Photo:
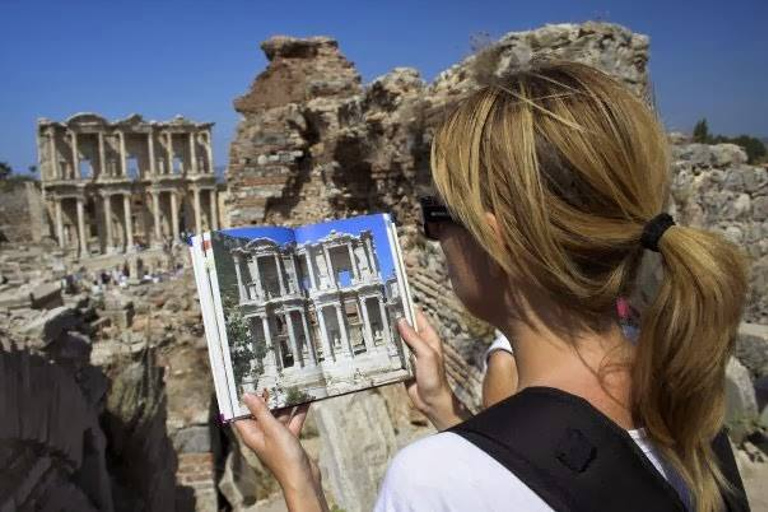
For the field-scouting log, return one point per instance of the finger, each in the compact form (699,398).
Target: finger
(412,338)
(411,387)
(427,332)
(260,411)
(251,433)
(297,421)
(284,415)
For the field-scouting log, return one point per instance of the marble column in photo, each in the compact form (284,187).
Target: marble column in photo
(240,285)
(297,359)
(384,322)
(272,361)
(328,353)
(367,330)
(308,339)
(279,274)
(341,318)
(353,264)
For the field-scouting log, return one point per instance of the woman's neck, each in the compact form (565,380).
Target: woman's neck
(593,366)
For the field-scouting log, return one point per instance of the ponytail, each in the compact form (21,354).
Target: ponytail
(686,338)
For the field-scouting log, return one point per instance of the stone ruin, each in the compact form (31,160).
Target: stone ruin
(111,186)
(313,143)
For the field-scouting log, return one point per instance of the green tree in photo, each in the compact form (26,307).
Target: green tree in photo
(240,347)
(294,396)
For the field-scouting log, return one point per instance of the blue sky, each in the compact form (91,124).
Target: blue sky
(374,223)
(164,57)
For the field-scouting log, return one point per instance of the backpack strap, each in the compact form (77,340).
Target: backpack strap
(736,501)
(571,455)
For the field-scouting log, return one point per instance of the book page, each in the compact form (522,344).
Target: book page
(252,271)
(354,299)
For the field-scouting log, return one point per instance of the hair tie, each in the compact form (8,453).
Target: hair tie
(654,229)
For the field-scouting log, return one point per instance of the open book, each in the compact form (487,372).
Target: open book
(306,313)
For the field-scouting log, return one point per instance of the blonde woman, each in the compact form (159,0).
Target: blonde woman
(552,184)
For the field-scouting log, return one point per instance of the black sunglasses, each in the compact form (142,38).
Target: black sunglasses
(433,213)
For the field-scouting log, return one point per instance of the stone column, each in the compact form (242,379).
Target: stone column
(54,157)
(59,221)
(198,218)
(81,227)
(169,142)
(308,339)
(279,274)
(367,329)
(209,152)
(297,359)
(151,147)
(175,217)
(329,268)
(294,286)
(238,272)
(371,255)
(192,153)
(340,317)
(353,263)
(214,222)
(311,269)
(273,346)
(108,219)
(256,276)
(328,354)
(102,156)
(128,222)
(384,323)
(75,157)
(123,170)
(156,215)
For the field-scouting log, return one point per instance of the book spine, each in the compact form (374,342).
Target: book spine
(211,331)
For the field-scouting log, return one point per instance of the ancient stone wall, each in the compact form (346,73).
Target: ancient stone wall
(21,212)
(714,188)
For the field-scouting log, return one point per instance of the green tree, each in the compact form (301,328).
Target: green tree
(701,132)
(240,345)
(5,170)
(753,146)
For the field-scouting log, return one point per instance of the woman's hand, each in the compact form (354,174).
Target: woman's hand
(430,391)
(275,440)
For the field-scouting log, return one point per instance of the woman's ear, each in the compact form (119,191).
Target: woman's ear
(493,224)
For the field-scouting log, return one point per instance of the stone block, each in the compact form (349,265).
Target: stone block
(752,348)
(194,439)
(46,296)
(740,401)
(51,324)
(15,299)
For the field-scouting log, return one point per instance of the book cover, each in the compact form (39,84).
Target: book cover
(305,313)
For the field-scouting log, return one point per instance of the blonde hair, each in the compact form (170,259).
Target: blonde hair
(573,165)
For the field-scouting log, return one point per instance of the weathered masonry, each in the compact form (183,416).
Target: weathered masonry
(321,301)
(115,186)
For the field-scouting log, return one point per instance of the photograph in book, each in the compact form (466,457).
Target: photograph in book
(311,312)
